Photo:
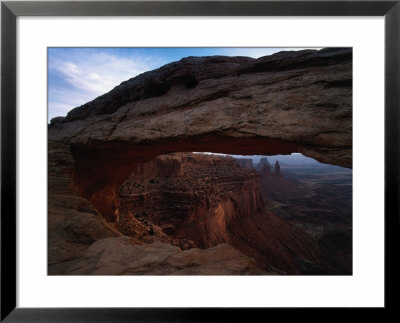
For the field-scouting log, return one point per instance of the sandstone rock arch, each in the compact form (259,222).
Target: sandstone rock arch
(298,101)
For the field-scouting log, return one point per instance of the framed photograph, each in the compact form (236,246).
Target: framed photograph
(198,160)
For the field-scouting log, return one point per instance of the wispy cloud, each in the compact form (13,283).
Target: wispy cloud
(98,73)
(80,77)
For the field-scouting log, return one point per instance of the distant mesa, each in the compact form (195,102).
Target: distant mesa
(264,168)
(263,163)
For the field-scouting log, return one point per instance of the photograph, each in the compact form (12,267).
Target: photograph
(200,161)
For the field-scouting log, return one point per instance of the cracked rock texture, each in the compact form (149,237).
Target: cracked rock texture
(201,201)
(296,101)
(73,223)
(287,102)
(123,256)
(302,97)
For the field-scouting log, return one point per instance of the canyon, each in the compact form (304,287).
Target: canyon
(127,196)
(199,201)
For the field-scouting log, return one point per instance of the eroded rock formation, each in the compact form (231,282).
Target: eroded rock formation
(204,200)
(195,201)
(287,102)
(264,165)
(296,101)
(73,222)
(277,170)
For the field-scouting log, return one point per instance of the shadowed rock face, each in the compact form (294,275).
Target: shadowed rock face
(191,196)
(73,222)
(200,201)
(283,103)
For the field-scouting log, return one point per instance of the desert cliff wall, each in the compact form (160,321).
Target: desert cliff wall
(210,200)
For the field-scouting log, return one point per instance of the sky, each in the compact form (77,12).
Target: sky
(79,75)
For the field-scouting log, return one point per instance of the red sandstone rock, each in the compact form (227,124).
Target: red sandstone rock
(287,102)
(191,203)
(73,222)
(212,200)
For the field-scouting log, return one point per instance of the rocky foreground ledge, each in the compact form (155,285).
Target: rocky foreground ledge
(124,256)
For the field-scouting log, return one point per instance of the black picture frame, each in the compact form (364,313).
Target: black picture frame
(10,10)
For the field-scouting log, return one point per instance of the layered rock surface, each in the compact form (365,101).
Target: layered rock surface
(194,204)
(287,102)
(296,101)
(73,223)
(82,242)
(302,97)
(193,200)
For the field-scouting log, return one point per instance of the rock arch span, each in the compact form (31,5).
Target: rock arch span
(297,101)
